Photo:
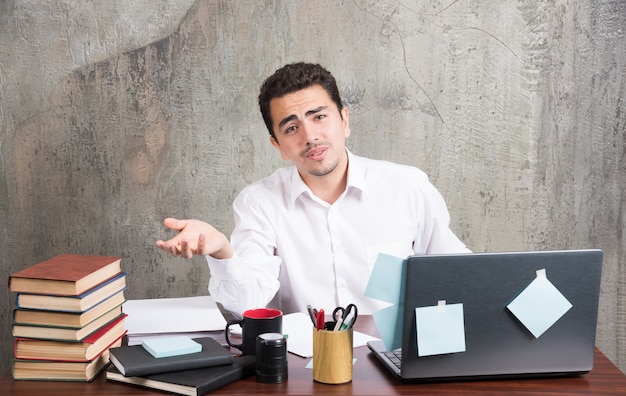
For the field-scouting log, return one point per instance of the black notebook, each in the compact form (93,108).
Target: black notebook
(195,382)
(135,360)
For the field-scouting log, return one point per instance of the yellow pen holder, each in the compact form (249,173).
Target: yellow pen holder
(332,356)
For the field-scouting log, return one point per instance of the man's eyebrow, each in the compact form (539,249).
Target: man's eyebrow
(293,116)
(286,120)
(314,111)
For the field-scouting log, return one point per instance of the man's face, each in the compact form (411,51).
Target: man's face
(310,131)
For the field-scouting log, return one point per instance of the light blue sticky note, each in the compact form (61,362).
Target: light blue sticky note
(540,305)
(386,279)
(310,364)
(389,324)
(171,346)
(440,329)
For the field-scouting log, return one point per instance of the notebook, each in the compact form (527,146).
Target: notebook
(498,343)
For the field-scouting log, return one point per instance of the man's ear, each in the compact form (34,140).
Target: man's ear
(277,145)
(345,119)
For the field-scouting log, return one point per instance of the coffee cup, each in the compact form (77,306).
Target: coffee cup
(253,323)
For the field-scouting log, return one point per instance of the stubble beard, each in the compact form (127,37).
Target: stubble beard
(325,170)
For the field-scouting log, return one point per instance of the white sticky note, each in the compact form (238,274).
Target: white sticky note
(539,305)
(440,329)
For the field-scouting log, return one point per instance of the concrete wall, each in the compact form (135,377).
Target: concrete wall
(117,114)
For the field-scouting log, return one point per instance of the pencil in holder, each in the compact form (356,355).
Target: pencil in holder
(332,356)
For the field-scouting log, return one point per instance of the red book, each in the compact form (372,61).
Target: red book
(65,275)
(82,351)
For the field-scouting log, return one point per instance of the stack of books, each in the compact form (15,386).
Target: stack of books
(68,314)
(156,356)
(178,364)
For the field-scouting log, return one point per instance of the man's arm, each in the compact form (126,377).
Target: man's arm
(195,237)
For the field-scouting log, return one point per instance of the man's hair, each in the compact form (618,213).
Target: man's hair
(291,78)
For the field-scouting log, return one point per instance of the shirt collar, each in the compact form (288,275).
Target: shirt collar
(356,179)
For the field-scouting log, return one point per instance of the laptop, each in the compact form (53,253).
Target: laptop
(498,344)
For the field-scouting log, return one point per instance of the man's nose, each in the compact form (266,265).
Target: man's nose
(310,132)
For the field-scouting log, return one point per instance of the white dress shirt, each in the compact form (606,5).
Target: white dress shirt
(293,249)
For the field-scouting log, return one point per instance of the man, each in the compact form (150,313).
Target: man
(310,233)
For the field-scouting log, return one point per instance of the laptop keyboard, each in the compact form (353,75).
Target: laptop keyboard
(394,356)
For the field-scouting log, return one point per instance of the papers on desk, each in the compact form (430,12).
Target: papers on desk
(299,331)
(194,317)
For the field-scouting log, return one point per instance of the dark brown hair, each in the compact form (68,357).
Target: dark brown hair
(291,78)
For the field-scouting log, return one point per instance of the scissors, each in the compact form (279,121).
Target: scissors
(345,317)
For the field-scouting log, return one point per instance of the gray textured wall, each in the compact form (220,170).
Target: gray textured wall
(117,114)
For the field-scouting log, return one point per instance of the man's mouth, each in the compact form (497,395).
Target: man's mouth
(316,153)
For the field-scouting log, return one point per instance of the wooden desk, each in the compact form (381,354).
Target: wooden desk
(369,378)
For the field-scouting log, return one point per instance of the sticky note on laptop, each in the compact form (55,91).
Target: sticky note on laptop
(171,346)
(539,305)
(440,329)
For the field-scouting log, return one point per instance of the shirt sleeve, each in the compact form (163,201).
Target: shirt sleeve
(249,279)
(435,236)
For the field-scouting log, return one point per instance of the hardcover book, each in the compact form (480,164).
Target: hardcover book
(136,361)
(106,337)
(65,274)
(196,382)
(67,334)
(81,303)
(67,319)
(60,371)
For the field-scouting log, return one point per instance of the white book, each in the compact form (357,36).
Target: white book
(166,317)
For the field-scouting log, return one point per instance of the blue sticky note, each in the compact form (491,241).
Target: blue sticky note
(440,329)
(386,279)
(539,305)
(171,346)
(389,324)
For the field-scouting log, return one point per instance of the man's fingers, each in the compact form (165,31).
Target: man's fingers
(201,245)
(169,247)
(174,224)
(185,250)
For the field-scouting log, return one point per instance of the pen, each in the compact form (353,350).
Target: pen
(312,315)
(348,321)
(320,319)
(338,324)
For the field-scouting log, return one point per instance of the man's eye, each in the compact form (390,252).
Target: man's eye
(291,129)
(320,116)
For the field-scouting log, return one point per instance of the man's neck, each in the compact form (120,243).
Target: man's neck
(330,187)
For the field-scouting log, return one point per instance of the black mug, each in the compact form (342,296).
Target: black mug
(255,322)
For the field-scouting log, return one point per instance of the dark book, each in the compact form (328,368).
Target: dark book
(93,297)
(196,382)
(136,361)
(65,274)
(88,349)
